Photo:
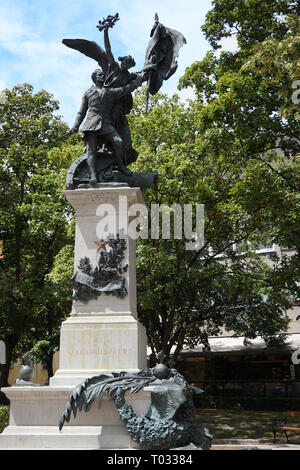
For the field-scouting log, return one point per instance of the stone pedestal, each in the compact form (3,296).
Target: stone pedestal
(35,413)
(100,336)
(99,345)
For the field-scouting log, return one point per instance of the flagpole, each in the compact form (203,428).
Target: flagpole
(156,20)
(148,92)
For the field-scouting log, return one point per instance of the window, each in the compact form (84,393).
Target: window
(262,248)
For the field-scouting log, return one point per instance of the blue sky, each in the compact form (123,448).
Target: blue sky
(31,32)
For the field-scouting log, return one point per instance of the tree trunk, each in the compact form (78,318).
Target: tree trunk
(5,367)
(49,363)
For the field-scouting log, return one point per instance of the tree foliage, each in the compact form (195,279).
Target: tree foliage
(234,149)
(34,218)
(251,110)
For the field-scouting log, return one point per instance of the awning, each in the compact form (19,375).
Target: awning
(230,344)
(238,344)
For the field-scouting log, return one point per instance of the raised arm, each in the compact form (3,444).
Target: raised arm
(110,57)
(124,90)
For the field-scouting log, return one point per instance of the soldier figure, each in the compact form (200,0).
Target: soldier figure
(106,104)
(97,106)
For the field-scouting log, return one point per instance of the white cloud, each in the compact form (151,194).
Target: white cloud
(31,49)
(187,94)
(229,44)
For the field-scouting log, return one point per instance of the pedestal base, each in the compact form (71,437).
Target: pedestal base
(35,413)
(101,336)
(93,345)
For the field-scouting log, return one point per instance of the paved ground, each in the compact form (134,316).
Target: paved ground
(254,444)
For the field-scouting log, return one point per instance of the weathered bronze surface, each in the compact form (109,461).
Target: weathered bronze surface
(106,277)
(170,421)
(108,146)
(26,373)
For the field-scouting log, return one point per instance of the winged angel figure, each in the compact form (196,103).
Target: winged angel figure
(105,105)
(170,421)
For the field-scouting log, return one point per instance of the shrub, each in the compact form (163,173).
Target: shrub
(247,403)
(4,413)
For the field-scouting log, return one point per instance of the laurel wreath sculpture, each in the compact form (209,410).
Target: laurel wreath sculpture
(170,421)
(107,277)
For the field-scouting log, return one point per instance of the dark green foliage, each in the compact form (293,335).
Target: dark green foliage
(186,296)
(34,221)
(234,149)
(4,415)
(247,403)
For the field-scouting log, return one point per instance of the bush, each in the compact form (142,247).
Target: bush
(3,399)
(4,413)
(247,403)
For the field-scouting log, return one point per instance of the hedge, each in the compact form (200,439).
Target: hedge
(4,413)
(248,403)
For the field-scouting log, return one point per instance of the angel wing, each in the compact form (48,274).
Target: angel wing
(90,49)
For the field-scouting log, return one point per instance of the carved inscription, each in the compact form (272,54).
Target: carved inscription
(97,351)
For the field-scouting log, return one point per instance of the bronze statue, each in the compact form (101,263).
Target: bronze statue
(26,372)
(170,422)
(162,51)
(108,144)
(98,104)
(119,75)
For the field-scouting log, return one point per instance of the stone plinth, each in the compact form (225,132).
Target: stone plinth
(99,213)
(99,345)
(35,413)
(100,336)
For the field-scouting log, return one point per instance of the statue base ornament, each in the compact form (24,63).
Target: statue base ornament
(106,175)
(170,421)
(101,336)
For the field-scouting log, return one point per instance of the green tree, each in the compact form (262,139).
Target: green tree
(34,219)
(185,296)
(250,109)
(235,149)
